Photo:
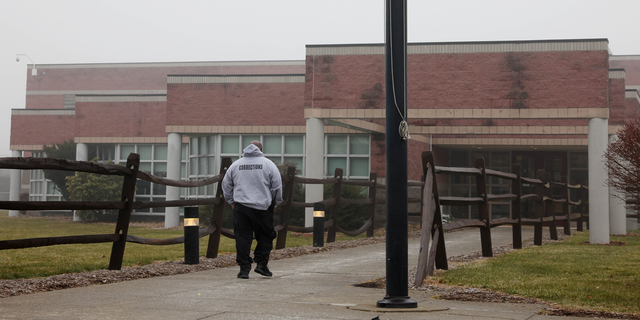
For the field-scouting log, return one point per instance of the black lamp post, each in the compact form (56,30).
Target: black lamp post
(397,264)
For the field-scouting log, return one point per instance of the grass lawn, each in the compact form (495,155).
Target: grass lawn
(570,273)
(72,258)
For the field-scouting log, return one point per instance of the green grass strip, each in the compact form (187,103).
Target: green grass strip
(570,273)
(73,258)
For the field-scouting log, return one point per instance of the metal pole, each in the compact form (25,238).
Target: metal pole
(396,157)
(191,239)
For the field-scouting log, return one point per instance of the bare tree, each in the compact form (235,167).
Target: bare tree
(622,160)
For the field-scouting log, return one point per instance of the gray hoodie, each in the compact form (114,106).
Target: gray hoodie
(253,181)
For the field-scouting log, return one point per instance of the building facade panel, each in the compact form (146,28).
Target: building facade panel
(39,130)
(235,104)
(617,106)
(631,64)
(57,80)
(474,80)
(120,119)
(49,101)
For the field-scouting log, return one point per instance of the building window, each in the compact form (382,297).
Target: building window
(202,164)
(153,160)
(206,153)
(41,189)
(351,153)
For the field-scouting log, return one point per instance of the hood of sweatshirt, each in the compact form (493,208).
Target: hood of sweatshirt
(252,151)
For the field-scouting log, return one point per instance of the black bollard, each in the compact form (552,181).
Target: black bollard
(191,236)
(318,224)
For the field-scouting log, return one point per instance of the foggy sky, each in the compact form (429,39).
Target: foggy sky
(66,31)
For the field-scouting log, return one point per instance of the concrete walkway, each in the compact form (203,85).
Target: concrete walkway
(317,286)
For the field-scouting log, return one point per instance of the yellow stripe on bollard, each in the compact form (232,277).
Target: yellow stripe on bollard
(191,222)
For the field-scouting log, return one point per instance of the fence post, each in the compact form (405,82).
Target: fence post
(337,187)
(549,207)
(287,193)
(539,208)
(217,217)
(579,221)
(516,188)
(565,206)
(124,215)
(441,251)
(483,209)
(373,178)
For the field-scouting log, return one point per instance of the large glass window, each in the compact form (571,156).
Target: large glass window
(205,156)
(153,160)
(202,164)
(351,153)
(41,189)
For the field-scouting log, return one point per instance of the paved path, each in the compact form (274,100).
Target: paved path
(317,286)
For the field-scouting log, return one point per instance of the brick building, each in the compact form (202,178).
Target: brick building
(532,102)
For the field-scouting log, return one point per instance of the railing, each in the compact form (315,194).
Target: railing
(126,205)
(331,225)
(433,228)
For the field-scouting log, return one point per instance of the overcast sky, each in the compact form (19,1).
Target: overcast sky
(81,31)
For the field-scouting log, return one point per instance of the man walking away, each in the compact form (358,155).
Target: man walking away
(253,188)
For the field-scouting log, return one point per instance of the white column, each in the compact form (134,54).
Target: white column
(82,154)
(598,191)
(174,161)
(617,211)
(15,184)
(314,165)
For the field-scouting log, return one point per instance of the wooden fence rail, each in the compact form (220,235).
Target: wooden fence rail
(542,198)
(127,204)
(433,228)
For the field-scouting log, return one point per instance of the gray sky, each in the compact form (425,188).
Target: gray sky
(80,31)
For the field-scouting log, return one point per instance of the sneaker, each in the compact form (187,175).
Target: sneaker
(243,274)
(263,270)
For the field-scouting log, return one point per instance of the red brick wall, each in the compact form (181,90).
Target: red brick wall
(130,78)
(245,104)
(135,78)
(41,130)
(120,119)
(414,157)
(536,80)
(44,101)
(632,107)
(617,106)
(632,68)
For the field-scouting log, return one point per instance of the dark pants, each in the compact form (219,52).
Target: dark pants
(247,222)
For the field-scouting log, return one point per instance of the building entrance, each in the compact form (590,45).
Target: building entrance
(554,162)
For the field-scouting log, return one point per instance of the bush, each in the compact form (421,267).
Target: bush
(95,187)
(350,216)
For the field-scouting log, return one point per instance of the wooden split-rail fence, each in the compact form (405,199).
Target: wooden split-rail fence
(432,225)
(215,230)
(434,255)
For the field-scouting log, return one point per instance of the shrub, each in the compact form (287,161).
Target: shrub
(95,187)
